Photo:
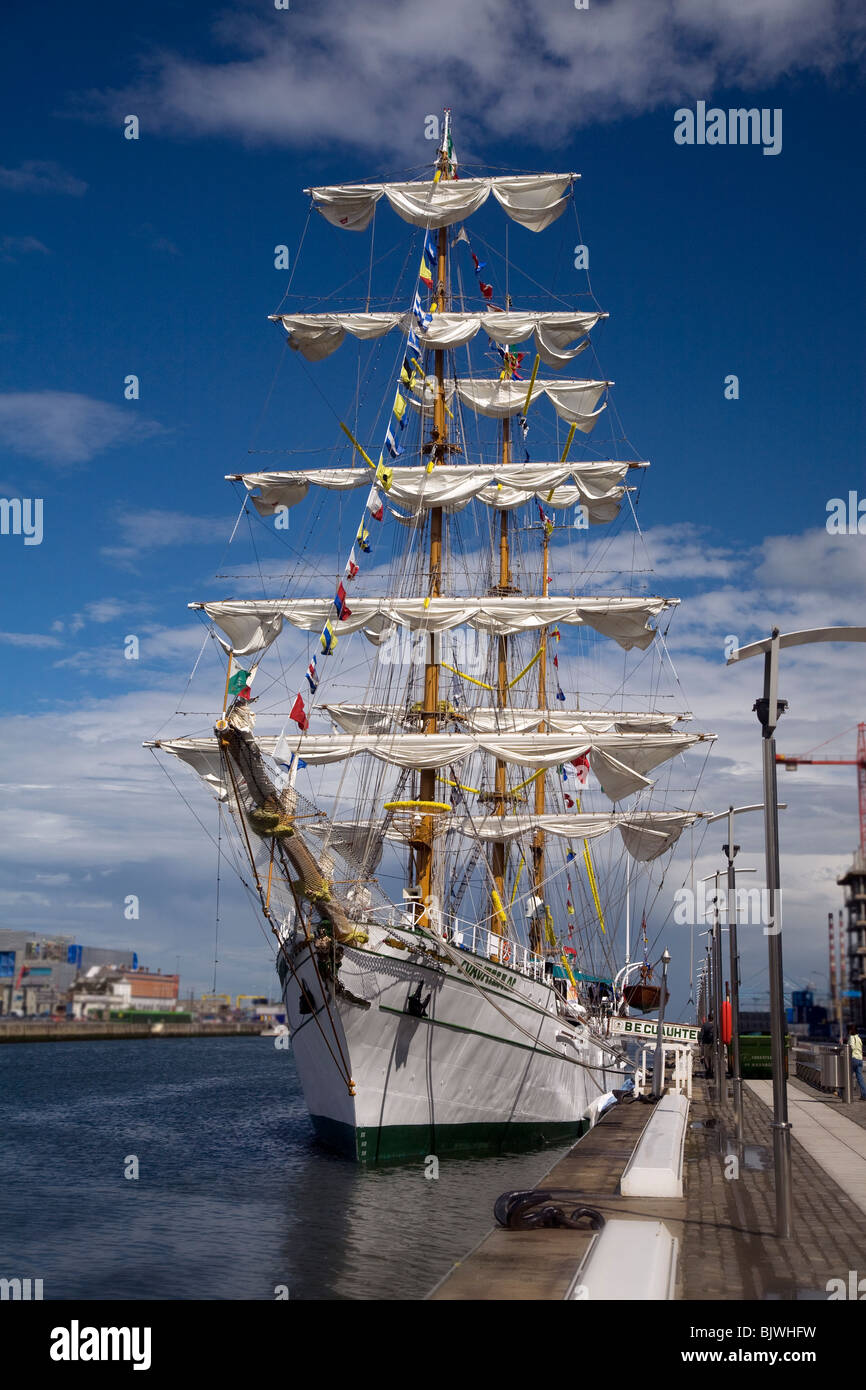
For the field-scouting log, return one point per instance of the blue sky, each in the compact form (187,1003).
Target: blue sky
(155,257)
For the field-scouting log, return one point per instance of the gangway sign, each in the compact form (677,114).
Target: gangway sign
(649,1028)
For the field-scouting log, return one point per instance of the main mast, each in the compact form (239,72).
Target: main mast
(540,789)
(423,846)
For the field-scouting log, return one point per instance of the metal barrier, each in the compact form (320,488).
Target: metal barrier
(683,1054)
(470,936)
(824,1066)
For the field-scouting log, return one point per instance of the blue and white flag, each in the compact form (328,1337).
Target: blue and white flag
(394,449)
(424,319)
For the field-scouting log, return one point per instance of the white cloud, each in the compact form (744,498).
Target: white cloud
(29,639)
(12,247)
(41,176)
(62,427)
(153,528)
(366,75)
(834,565)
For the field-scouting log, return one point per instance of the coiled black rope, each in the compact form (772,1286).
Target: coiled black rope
(538,1208)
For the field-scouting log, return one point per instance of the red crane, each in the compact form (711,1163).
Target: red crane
(791,764)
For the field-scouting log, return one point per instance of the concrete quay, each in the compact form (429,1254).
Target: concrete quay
(724,1222)
(21,1032)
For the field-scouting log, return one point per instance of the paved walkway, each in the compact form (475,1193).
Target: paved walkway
(730,1250)
(855,1110)
(835,1142)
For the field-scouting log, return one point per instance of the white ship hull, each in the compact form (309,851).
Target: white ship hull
(477,1073)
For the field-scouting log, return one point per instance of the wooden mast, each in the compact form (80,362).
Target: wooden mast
(423,845)
(497,860)
(536,934)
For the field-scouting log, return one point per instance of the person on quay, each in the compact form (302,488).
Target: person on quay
(855,1042)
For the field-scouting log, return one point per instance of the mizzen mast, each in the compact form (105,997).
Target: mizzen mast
(540,788)
(498,921)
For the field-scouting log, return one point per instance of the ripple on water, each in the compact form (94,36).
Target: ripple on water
(234,1197)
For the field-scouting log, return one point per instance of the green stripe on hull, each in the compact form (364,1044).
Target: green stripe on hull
(395,1143)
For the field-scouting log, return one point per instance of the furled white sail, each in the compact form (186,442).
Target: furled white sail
(357,718)
(635,754)
(573,401)
(316,336)
(598,486)
(252,624)
(533,200)
(646,834)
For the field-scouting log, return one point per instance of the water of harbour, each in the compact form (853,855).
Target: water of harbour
(234,1196)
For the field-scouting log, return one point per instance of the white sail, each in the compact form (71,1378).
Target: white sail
(371,718)
(619,761)
(533,200)
(253,624)
(573,401)
(646,834)
(317,336)
(598,486)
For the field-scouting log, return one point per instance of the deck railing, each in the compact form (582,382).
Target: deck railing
(478,940)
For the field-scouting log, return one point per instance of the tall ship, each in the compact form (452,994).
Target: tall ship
(437,782)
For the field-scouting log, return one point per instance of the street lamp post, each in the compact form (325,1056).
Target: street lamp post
(769,709)
(719,1066)
(659,1064)
(715,993)
(737,1078)
(730,851)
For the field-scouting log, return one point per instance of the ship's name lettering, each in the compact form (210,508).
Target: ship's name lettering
(491,976)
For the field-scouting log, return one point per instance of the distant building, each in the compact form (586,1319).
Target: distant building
(144,989)
(854,883)
(754,1021)
(37,971)
(40,973)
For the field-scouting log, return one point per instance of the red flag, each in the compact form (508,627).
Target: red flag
(568,801)
(581,768)
(343,609)
(486,290)
(299,714)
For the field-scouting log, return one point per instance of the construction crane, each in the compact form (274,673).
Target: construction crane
(791,764)
(225,999)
